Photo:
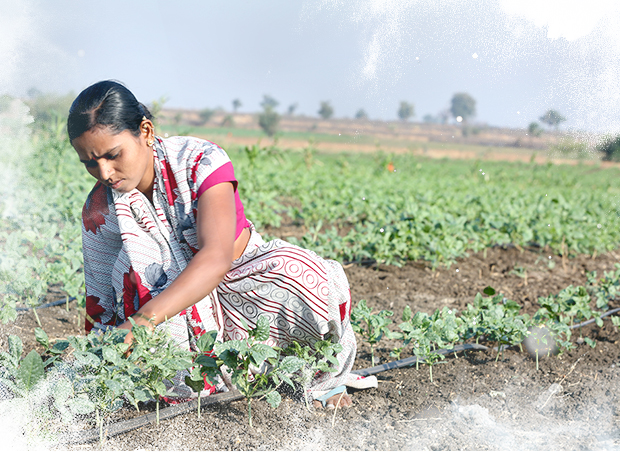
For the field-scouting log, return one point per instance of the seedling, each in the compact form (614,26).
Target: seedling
(243,356)
(321,357)
(372,327)
(206,368)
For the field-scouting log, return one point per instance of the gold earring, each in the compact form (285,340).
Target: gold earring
(150,142)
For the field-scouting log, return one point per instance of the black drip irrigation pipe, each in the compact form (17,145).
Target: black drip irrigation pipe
(587,322)
(231,396)
(407,362)
(47,305)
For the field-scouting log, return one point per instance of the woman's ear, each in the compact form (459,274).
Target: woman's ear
(147,131)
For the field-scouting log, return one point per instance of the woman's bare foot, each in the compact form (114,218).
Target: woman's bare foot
(339,400)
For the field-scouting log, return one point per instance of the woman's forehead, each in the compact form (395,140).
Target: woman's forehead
(99,141)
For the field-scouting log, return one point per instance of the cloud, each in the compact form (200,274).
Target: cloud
(569,19)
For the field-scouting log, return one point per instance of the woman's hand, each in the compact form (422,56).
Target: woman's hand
(139,319)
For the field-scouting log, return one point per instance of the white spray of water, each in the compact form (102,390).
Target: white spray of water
(15,145)
(576,45)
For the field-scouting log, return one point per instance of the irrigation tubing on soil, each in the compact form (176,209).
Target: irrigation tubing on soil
(231,396)
(47,305)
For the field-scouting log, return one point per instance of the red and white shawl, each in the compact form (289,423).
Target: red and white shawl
(134,249)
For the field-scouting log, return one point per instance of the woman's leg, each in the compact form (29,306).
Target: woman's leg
(305,297)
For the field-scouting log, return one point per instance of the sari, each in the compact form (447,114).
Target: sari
(134,249)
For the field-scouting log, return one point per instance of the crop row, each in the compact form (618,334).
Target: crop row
(352,208)
(100,373)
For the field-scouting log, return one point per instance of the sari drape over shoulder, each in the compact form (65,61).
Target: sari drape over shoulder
(134,249)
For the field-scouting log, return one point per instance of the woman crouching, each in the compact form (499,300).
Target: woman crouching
(165,238)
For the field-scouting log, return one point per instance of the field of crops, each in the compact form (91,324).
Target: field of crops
(444,252)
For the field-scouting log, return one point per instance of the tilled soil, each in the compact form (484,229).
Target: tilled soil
(473,403)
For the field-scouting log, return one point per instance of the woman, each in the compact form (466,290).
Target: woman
(165,238)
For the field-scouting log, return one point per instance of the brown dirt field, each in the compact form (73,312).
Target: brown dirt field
(473,403)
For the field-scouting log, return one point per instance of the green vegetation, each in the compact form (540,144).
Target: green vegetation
(405,111)
(610,148)
(462,105)
(372,327)
(353,209)
(552,118)
(326,111)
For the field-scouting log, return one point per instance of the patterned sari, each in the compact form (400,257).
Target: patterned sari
(133,249)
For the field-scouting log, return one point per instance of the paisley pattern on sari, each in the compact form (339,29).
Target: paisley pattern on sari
(134,249)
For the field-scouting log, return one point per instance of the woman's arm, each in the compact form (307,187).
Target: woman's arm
(215,224)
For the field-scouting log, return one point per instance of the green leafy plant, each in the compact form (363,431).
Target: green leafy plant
(497,319)
(321,357)
(257,370)
(206,367)
(372,327)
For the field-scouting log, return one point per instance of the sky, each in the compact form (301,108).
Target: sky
(517,58)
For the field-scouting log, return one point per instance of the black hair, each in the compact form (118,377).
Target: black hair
(107,104)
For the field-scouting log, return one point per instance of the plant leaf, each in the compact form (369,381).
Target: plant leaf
(273,398)
(261,331)
(31,370)
(41,336)
(15,346)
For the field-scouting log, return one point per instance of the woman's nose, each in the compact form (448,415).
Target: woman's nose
(105,170)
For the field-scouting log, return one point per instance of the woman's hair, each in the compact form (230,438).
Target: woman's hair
(106,104)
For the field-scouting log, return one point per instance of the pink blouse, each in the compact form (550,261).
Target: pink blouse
(226,173)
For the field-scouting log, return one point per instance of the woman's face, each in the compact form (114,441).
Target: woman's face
(121,161)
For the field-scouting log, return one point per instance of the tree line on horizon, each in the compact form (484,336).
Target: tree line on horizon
(45,106)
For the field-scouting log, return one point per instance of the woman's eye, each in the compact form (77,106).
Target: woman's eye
(91,164)
(112,157)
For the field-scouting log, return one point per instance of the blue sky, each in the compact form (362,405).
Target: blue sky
(517,58)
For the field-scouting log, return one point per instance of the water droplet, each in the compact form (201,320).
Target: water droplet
(450,311)
(474,56)
(480,170)
(459,119)
(518,112)
(549,225)
(599,226)
(382,230)
(387,288)
(483,174)
(549,257)
(363,198)
(457,270)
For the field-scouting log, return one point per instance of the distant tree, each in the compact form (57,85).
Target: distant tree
(236,104)
(534,129)
(291,109)
(361,114)
(429,119)
(33,93)
(269,102)
(268,120)
(405,111)
(326,111)
(610,147)
(205,114)
(552,118)
(463,105)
